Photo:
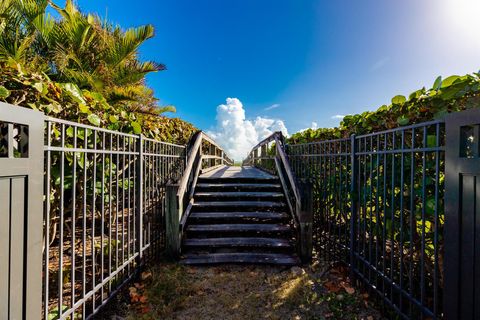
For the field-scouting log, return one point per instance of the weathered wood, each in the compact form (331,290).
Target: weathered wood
(173,215)
(238,172)
(240,215)
(251,204)
(241,194)
(257,258)
(240,227)
(256,242)
(188,168)
(306,221)
(237,186)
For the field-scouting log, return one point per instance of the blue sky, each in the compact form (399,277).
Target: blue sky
(310,60)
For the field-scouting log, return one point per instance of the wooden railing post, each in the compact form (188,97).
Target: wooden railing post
(173,214)
(305,210)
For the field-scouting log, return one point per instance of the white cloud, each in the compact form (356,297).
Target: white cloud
(236,134)
(273,106)
(338,117)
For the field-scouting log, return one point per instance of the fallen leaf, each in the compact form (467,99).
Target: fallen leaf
(331,286)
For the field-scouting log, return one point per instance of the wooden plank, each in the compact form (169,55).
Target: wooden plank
(188,168)
(240,215)
(239,242)
(240,227)
(252,204)
(243,258)
(240,194)
(237,172)
(239,185)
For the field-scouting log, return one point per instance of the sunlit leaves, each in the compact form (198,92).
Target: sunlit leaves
(94,119)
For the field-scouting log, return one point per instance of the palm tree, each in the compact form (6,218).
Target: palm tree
(80,49)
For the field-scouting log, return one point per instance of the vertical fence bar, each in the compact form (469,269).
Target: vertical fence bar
(353,199)
(139,198)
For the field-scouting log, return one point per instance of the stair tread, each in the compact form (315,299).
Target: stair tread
(238,242)
(261,258)
(239,194)
(239,203)
(239,227)
(240,214)
(242,185)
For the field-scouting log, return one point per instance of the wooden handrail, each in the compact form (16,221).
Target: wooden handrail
(288,170)
(298,200)
(186,186)
(190,161)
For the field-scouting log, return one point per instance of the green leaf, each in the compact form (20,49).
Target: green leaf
(4,92)
(74,92)
(449,81)
(438,83)
(431,141)
(38,86)
(169,108)
(83,108)
(94,119)
(403,120)
(113,119)
(416,94)
(137,129)
(399,99)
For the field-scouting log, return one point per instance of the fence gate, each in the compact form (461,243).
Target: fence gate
(21,212)
(462,216)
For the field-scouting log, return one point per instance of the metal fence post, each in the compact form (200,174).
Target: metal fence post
(353,199)
(21,212)
(139,197)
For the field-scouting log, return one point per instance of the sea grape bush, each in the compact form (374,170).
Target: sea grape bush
(454,93)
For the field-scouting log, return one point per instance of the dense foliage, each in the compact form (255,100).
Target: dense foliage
(81,68)
(454,93)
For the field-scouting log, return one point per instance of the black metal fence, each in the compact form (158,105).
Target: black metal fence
(104,214)
(378,206)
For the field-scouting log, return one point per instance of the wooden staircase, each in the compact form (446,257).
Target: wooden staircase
(239,219)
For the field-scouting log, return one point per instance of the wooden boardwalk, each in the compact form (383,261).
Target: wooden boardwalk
(237,172)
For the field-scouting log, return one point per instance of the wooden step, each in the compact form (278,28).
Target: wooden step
(239,227)
(251,205)
(250,180)
(238,187)
(240,215)
(238,242)
(240,194)
(254,258)
(237,196)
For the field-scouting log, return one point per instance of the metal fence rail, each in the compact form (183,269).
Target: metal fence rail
(104,212)
(379,207)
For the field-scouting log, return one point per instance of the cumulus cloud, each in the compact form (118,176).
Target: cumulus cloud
(338,117)
(236,134)
(273,106)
